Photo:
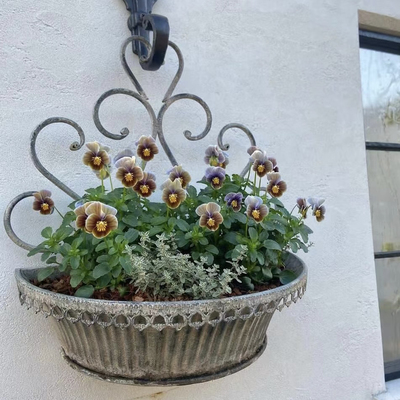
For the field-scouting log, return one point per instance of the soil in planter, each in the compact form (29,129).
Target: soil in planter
(62,286)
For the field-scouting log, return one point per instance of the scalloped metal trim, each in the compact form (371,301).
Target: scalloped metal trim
(159,315)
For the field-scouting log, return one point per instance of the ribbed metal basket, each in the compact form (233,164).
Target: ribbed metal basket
(162,343)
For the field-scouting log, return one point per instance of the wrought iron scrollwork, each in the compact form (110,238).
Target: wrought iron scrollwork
(74,146)
(156,120)
(7,221)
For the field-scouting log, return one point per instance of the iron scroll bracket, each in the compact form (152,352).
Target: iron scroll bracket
(140,23)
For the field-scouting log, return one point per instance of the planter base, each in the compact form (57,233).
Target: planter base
(167,382)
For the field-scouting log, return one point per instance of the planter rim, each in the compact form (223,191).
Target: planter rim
(244,306)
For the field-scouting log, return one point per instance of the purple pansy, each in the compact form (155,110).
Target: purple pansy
(214,156)
(216,176)
(234,200)
(255,208)
(317,208)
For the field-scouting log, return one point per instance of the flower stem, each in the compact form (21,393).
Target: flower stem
(255,184)
(62,216)
(247,223)
(259,186)
(102,185)
(246,182)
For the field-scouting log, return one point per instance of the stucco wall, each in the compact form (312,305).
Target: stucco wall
(290,72)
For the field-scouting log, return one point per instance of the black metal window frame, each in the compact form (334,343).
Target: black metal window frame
(386,44)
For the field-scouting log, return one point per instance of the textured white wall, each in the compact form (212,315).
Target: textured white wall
(290,72)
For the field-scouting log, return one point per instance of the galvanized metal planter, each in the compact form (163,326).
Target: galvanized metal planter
(162,343)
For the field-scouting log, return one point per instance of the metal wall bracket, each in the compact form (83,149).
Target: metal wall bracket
(140,23)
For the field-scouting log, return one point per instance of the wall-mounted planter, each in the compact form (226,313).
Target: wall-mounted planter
(162,343)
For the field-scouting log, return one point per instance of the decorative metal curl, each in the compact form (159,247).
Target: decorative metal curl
(74,146)
(188,135)
(124,131)
(226,146)
(7,221)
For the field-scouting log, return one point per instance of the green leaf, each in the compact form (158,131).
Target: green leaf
(271,244)
(278,218)
(74,261)
(85,291)
(227,223)
(240,217)
(44,273)
(76,280)
(203,241)
(119,239)
(253,256)
(293,246)
(104,281)
(231,237)
(247,283)
(117,271)
(126,264)
(101,246)
(131,220)
(287,276)
(209,257)
(230,187)
(102,259)
(131,235)
(51,260)
(260,258)
(36,250)
(154,230)
(112,251)
(77,242)
(101,270)
(276,201)
(253,234)
(212,249)
(159,220)
(45,256)
(266,273)
(182,225)
(47,232)
(192,192)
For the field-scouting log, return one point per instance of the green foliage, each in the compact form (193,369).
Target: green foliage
(198,262)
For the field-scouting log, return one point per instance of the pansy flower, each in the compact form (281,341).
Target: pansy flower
(43,202)
(146,148)
(128,153)
(214,156)
(234,200)
(318,209)
(210,216)
(226,162)
(255,208)
(128,172)
(173,194)
(275,167)
(252,149)
(81,215)
(276,186)
(146,186)
(178,173)
(97,157)
(303,207)
(101,219)
(216,176)
(261,164)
